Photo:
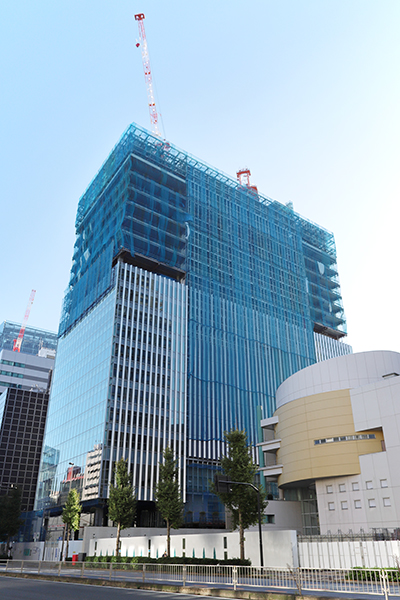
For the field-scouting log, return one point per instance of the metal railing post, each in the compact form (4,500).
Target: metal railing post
(59,568)
(234,577)
(38,569)
(184,575)
(384,583)
(144,572)
(83,568)
(7,565)
(22,565)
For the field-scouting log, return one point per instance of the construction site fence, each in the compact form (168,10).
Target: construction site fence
(384,582)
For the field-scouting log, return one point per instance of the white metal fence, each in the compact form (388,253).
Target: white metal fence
(325,553)
(383,582)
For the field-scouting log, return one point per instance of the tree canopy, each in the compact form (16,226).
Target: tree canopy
(71,514)
(10,512)
(168,496)
(241,500)
(122,501)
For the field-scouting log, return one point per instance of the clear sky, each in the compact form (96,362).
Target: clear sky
(306,93)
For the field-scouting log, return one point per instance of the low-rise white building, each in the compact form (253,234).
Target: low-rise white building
(334,443)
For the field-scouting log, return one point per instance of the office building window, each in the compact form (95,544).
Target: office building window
(344,505)
(372,503)
(357,503)
(368,485)
(269,518)
(331,506)
(384,483)
(386,502)
(329,489)
(355,486)
(342,487)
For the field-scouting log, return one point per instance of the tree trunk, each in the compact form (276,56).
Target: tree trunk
(168,537)
(241,536)
(117,542)
(63,541)
(66,551)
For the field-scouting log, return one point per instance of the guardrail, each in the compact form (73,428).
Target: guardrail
(383,582)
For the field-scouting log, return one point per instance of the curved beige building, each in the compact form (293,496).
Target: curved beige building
(335,438)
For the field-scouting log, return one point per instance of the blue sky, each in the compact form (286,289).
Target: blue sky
(305,93)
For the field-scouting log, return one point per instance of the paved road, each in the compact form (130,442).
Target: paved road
(12,588)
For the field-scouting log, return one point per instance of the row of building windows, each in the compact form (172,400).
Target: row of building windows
(11,385)
(11,374)
(357,504)
(12,363)
(355,486)
(346,438)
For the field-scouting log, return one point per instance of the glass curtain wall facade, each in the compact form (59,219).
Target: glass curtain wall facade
(243,282)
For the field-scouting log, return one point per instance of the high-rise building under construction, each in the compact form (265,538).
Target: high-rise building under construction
(191,298)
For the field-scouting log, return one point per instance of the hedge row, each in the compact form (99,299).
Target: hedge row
(364,574)
(173,560)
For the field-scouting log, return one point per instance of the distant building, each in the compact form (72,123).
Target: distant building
(191,298)
(333,443)
(25,381)
(24,371)
(34,338)
(22,422)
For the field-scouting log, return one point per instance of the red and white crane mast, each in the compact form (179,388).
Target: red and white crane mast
(147,75)
(243,177)
(18,341)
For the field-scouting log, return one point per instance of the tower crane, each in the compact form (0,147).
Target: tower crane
(147,75)
(18,341)
(243,177)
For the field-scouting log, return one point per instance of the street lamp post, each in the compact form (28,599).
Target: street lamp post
(222,482)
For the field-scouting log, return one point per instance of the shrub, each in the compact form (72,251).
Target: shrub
(172,560)
(364,574)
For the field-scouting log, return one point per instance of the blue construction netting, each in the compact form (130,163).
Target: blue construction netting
(34,339)
(259,275)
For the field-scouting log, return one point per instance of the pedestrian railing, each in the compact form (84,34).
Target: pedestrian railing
(384,582)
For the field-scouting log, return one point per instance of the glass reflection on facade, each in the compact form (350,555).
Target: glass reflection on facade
(77,410)
(237,285)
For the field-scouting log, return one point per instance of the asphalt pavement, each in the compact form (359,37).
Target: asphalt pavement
(13,588)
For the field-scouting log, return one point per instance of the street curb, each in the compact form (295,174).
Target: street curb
(160,587)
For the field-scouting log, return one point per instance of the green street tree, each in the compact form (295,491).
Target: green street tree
(10,512)
(122,501)
(168,496)
(241,500)
(71,514)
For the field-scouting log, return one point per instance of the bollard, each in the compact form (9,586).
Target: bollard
(39,565)
(59,568)
(7,566)
(110,571)
(22,565)
(83,568)
(144,573)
